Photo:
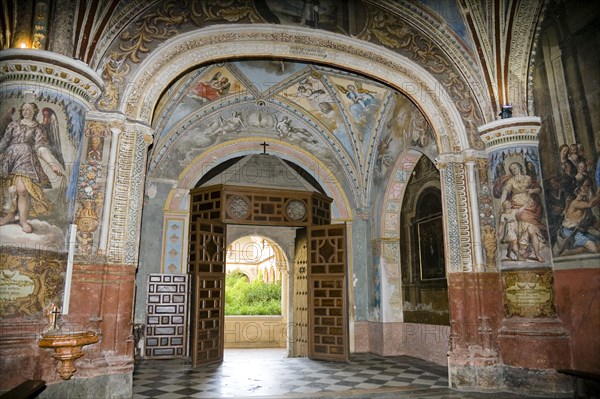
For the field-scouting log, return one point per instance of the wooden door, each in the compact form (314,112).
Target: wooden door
(327,293)
(207,271)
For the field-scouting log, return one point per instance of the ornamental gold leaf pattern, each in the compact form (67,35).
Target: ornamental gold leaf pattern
(157,25)
(231,11)
(390,31)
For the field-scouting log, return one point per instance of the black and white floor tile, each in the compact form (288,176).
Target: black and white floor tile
(267,373)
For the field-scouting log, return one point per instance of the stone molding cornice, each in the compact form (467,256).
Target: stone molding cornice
(47,68)
(506,132)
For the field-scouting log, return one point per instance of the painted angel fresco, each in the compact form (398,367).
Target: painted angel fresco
(360,97)
(24,145)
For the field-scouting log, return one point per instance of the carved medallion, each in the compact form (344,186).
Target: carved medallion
(238,207)
(295,210)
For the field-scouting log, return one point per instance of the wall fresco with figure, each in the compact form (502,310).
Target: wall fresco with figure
(40,134)
(521,229)
(39,145)
(569,138)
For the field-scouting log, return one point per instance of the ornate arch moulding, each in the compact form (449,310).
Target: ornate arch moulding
(45,68)
(505,133)
(220,42)
(219,153)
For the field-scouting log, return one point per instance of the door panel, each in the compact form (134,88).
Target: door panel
(327,293)
(207,270)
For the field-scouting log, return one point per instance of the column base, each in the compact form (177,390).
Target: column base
(534,343)
(478,378)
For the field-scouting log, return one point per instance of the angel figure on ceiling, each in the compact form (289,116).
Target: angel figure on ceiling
(361,98)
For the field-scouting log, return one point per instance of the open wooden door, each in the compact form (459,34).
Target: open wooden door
(327,293)
(207,272)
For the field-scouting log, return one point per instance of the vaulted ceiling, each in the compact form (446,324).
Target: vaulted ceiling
(345,119)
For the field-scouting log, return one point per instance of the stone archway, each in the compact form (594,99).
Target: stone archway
(207,45)
(215,44)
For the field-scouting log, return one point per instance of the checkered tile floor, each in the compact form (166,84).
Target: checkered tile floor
(265,372)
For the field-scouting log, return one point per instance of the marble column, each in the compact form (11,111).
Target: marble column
(532,340)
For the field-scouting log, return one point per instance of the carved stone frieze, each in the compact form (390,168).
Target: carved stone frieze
(50,69)
(127,196)
(458,216)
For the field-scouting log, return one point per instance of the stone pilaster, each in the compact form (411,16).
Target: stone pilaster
(127,194)
(475,299)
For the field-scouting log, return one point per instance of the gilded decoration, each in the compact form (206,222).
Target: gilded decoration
(28,283)
(90,187)
(160,24)
(391,32)
(528,293)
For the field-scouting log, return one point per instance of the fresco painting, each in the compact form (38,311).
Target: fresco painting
(518,194)
(573,202)
(405,128)
(215,84)
(36,163)
(312,95)
(367,122)
(323,14)
(264,75)
(39,142)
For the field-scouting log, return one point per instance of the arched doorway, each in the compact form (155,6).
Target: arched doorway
(269,200)
(350,194)
(256,289)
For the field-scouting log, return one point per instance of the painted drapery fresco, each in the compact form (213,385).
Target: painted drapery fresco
(521,229)
(39,145)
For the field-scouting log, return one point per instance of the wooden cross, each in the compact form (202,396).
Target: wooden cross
(55,312)
(265,145)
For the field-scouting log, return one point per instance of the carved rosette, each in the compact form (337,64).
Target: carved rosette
(295,210)
(238,207)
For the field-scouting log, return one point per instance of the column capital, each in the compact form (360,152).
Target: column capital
(470,155)
(509,132)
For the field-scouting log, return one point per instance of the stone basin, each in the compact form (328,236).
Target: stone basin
(67,348)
